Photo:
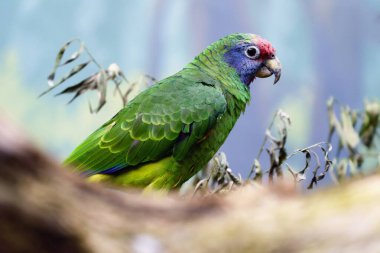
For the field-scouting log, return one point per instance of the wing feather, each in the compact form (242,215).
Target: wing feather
(166,119)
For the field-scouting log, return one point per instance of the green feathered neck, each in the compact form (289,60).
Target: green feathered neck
(211,63)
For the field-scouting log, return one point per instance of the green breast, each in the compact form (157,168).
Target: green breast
(200,155)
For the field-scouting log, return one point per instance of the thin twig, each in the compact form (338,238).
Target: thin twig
(263,144)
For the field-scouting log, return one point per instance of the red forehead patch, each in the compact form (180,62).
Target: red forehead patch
(265,47)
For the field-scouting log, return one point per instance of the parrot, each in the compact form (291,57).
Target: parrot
(172,129)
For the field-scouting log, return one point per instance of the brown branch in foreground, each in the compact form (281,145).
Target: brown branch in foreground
(43,208)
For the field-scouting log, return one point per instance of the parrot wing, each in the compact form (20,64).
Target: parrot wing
(167,119)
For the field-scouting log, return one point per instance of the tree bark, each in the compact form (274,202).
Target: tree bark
(45,208)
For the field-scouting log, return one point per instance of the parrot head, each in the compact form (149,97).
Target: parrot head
(251,56)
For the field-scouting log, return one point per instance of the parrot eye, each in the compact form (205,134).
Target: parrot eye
(252,52)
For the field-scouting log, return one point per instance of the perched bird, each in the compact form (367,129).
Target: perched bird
(171,130)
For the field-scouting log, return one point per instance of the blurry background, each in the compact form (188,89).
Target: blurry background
(327,48)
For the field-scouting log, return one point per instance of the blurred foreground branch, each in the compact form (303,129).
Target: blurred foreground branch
(44,208)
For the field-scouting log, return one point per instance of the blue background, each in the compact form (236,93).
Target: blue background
(327,48)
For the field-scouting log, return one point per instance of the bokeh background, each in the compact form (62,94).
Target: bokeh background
(327,48)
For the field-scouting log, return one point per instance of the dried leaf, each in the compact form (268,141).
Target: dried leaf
(300,176)
(256,168)
(284,117)
(59,57)
(332,118)
(348,134)
(370,123)
(73,72)
(341,170)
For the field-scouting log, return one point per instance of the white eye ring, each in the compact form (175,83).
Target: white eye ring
(252,52)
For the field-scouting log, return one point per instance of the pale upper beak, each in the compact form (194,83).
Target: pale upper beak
(270,67)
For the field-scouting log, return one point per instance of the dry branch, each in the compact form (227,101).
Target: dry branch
(44,208)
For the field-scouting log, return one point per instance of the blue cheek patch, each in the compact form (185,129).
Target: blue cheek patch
(246,68)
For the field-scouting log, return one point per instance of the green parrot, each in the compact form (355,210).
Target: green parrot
(171,130)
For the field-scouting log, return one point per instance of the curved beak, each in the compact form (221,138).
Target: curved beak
(270,67)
